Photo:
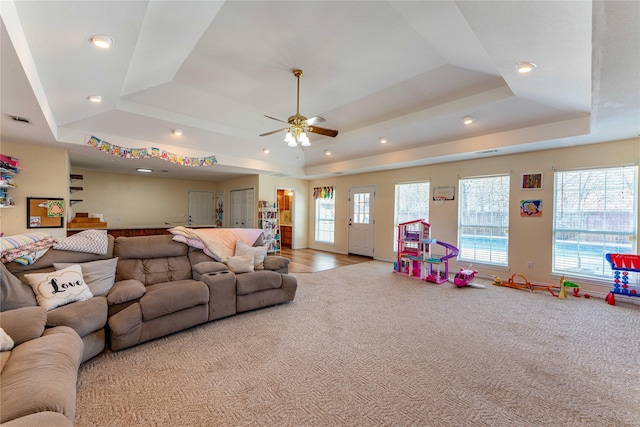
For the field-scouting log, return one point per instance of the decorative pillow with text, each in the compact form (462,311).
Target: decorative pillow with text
(59,287)
(6,343)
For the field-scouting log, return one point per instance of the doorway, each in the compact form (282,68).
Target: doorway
(285,200)
(362,220)
(200,208)
(242,208)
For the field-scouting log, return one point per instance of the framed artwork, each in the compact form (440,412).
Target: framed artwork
(529,208)
(532,181)
(45,212)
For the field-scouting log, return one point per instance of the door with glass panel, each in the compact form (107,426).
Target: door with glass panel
(362,220)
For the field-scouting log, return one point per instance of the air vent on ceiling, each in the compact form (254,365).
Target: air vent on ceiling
(20,119)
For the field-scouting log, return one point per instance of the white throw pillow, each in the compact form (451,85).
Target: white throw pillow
(259,253)
(99,275)
(240,263)
(6,343)
(59,287)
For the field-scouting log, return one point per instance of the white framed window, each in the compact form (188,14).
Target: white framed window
(483,220)
(411,202)
(595,212)
(325,215)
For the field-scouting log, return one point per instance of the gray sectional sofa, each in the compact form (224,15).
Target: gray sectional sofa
(160,287)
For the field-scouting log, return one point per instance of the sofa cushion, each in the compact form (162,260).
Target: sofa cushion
(148,247)
(154,270)
(41,375)
(258,252)
(125,291)
(276,262)
(257,281)
(240,263)
(209,267)
(59,287)
(83,317)
(24,324)
(46,418)
(99,275)
(165,298)
(6,343)
(13,293)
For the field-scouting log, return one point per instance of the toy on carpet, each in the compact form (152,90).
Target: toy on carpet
(465,277)
(518,281)
(622,264)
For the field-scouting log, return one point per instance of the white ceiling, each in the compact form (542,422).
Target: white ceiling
(406,71)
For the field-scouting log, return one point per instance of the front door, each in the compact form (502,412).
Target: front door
(362,220)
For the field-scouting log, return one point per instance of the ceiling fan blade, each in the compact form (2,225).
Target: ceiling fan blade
(315,119)
(273,118)
(273,131)
(322,131)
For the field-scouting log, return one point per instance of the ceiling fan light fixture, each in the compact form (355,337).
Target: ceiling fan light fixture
(525,67)
(101,41)
(304,139)
(467,120)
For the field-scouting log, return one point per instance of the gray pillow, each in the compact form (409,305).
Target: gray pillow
(13,293)
(98,275)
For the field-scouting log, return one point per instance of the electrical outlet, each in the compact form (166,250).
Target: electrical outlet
(529,265)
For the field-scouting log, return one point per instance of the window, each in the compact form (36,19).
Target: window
(483,220)
(325,214)
(412,202)
(595,213)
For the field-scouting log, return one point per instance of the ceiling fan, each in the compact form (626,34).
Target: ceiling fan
(299,125)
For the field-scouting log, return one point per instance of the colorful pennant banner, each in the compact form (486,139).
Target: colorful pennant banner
(323,192)
(143,153)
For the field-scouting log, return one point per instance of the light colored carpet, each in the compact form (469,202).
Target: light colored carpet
(361,346)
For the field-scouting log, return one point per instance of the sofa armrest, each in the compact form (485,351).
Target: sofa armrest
(206,267)
(24,324)
(125,291)
(276,263)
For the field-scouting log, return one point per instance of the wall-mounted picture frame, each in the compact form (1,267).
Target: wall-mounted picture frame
(532,181)
(45,212)
(530,208)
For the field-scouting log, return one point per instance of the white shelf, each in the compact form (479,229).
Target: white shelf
(268,222)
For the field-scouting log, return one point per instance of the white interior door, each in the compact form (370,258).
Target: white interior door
(200,210)
(362,220)
(242,208)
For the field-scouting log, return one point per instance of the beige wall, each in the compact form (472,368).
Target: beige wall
(531,238)
(251,181)
(44,172)
(300,213)
(135,201)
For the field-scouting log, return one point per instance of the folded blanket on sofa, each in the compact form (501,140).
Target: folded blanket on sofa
(220,242)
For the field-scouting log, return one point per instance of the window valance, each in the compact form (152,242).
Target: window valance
(323,192)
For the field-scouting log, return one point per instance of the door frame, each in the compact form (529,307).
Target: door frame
(292,209)
(372,214)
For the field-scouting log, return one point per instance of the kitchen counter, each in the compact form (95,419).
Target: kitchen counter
(144,230)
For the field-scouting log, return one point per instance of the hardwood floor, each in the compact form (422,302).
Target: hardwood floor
(311,260)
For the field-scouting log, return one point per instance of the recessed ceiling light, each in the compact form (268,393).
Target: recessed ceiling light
(327,152)
(525,67)
(95,98)
(467,120)
(266,150)
(177,132)
(101,41)
(145,170)
(383,140)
